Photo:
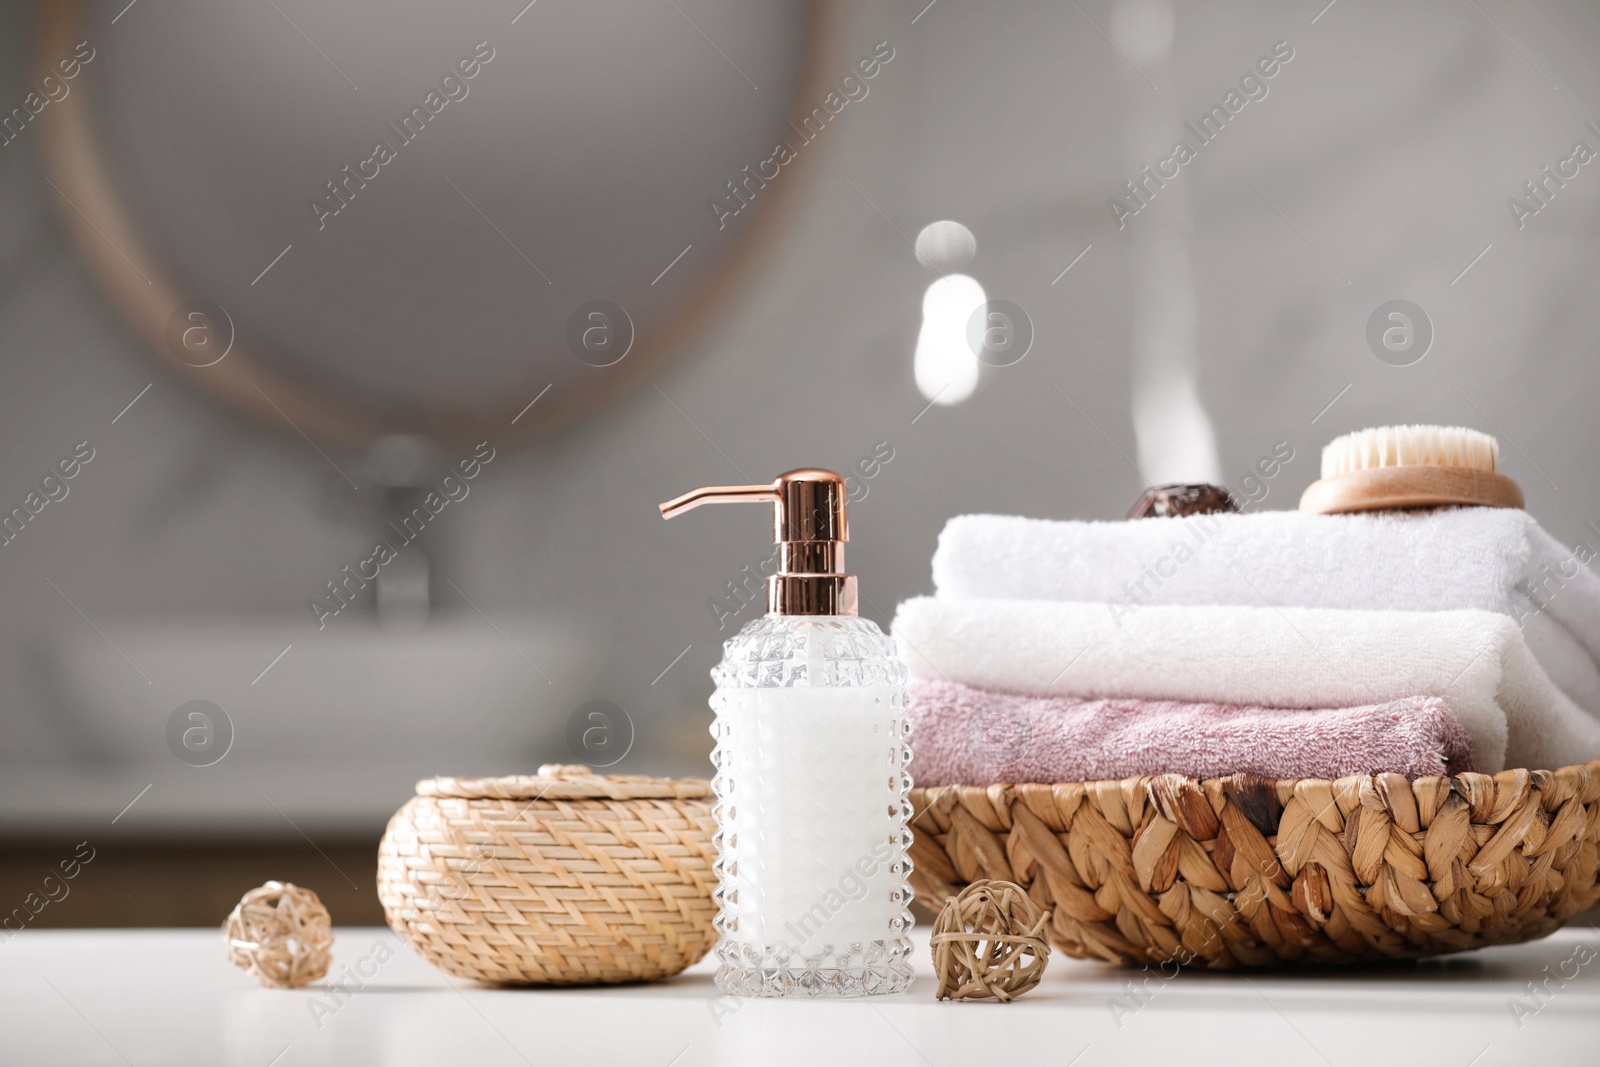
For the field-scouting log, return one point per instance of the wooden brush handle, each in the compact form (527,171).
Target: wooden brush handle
(1385,488)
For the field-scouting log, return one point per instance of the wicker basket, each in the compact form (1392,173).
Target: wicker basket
(1248,871)
(562,879)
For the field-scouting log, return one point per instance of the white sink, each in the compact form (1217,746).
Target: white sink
(456,689)
(328,738)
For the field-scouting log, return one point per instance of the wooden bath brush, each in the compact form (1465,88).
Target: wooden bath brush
(1410,467)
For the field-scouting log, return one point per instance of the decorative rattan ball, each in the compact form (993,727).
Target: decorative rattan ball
(989,941)
(280,933)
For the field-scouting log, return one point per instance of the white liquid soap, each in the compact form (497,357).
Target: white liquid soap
(811,777)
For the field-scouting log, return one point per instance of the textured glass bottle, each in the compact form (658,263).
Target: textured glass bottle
(811,760)
(812,808)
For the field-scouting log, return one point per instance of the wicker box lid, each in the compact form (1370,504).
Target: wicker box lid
(568,781)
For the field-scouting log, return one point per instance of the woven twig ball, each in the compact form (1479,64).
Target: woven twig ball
(280,933)
(989,941)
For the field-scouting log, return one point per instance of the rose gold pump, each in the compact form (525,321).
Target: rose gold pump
(810,526)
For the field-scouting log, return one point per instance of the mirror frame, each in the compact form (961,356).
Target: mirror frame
(144,293)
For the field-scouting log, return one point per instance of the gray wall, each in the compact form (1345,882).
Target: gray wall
(1377,167)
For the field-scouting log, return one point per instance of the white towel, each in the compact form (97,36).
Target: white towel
(1288,657)
(1491,559)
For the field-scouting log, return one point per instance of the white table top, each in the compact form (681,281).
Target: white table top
(170,997)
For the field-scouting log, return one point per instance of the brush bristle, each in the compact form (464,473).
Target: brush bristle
(1410,446)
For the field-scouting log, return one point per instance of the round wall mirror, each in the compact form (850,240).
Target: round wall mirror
(453,220)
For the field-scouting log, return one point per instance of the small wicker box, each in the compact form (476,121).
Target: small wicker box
(563,878)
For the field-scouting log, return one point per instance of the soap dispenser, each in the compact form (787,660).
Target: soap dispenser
(811,768)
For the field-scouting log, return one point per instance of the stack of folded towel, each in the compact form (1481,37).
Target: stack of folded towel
(1279,643)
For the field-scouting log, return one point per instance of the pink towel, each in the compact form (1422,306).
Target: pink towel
(964,736)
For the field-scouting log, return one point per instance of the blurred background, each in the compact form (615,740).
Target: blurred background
(485,282)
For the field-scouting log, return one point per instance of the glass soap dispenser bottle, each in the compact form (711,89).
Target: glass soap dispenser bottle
(811,768)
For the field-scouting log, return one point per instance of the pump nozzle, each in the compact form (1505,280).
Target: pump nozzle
(810,526)
(718,494)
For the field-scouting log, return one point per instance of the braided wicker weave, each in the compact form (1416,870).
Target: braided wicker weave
(561,879)
(1248,871)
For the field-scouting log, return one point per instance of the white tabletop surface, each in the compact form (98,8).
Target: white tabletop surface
(169,997)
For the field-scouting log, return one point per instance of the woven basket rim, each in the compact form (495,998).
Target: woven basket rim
(1593,766)
(566,783)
